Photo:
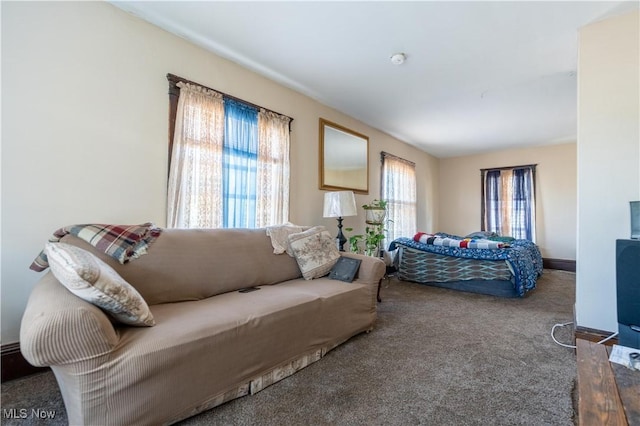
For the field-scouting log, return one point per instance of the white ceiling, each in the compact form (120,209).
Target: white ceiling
(479,76)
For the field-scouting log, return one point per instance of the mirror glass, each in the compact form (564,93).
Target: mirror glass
(343,158)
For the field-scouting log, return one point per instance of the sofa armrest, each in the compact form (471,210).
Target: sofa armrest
(371,270)
(60,328)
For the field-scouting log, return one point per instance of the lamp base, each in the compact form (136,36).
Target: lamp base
(341,239)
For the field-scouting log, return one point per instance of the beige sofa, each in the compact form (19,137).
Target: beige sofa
(210,343)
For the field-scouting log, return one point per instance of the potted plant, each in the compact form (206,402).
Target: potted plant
(373,236)
(375,212)
(354,242)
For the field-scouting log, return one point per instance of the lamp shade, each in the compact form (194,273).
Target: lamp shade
(339,204)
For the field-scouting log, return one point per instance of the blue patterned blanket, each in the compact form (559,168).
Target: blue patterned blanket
(523,256)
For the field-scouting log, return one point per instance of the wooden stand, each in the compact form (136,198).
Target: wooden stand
(608,393)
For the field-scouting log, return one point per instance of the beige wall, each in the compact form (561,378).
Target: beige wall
(84,130)
(608,160)
(460,193)
(344,178)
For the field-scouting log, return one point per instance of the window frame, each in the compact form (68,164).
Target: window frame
(387,156)
(174,94)
(483,206)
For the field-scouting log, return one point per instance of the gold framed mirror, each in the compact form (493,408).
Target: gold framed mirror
(344,158)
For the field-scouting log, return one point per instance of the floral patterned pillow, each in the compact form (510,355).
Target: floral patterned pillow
(315,251)
(94,281)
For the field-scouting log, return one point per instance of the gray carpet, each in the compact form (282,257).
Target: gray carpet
(436,357)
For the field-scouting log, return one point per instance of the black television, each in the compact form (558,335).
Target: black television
(628,292)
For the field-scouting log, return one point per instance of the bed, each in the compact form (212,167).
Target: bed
(478,263)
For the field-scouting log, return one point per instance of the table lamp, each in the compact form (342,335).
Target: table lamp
(340,204)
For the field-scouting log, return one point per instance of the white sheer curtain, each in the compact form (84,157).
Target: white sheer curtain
(272,203)
(399,190)
(194,198)
(506,195)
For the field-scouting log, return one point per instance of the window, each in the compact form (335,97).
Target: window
(399,190)
(228,163)
(239,165)
(508,201)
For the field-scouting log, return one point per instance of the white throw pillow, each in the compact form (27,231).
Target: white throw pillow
(279,235)
(315,251)
(94,281)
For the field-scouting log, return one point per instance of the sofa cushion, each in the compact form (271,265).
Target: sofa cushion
(92,280)
(315,251)
(193,264)
(205,349)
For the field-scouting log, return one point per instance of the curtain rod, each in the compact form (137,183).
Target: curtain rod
(510,168)
(384,154)
(174,79)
